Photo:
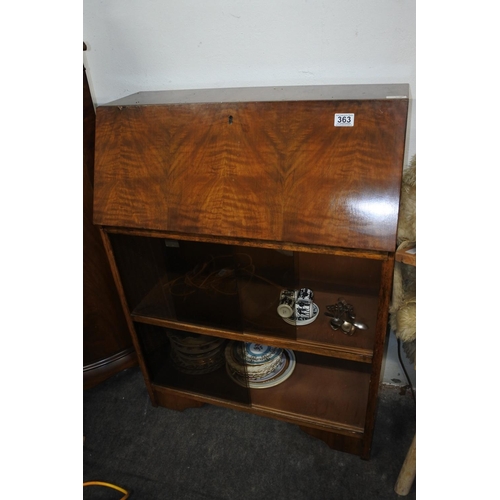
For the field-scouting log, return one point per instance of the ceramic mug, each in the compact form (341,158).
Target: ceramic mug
(286,307)
(305,295)
(304,310)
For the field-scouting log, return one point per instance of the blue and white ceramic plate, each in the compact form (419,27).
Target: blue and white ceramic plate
(300,321)
(282,373)
(251,353)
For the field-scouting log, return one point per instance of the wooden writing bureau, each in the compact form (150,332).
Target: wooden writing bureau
(210,202)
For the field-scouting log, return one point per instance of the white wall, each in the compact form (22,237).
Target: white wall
(139,45)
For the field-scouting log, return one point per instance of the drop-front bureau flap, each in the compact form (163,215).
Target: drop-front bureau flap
(312,165)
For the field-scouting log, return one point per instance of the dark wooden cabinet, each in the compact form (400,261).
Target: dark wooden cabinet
(107,344)
(211,202)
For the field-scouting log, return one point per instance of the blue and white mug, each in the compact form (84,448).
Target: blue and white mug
(286,307)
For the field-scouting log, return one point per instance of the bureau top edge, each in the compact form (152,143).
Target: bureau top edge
(266,94)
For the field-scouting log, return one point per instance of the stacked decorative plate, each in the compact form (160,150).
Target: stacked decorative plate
(258,366)
(196,354)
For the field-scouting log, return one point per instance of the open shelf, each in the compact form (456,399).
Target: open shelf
(316,338)
(304,398)
(233,292)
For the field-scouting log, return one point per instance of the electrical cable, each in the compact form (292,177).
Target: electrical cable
(404,369)
(208,277)
(108,485)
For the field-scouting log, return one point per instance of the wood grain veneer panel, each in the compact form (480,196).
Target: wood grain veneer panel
(107,344)
(273,171)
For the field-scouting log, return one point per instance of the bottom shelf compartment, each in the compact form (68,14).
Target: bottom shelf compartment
(322,393)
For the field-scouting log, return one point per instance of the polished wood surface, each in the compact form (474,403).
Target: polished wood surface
(378,352)
(148,269)
(269,171)
(273,245)
(107,344)
(303,398)
(255,191)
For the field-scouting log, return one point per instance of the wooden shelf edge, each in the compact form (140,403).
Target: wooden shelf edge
(341,352)
(276,245)
(291,418)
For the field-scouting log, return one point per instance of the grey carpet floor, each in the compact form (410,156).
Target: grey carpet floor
(213,453)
